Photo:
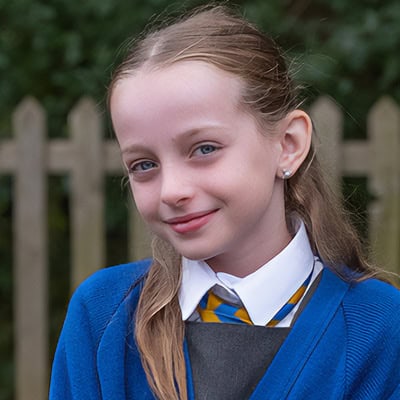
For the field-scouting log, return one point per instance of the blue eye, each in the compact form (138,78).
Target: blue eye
(206,149)
(143,166)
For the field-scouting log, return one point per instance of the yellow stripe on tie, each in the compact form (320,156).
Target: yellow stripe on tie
(208,315)
(243,315)
(297,296)
(213,301)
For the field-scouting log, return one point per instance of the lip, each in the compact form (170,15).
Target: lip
(190,222)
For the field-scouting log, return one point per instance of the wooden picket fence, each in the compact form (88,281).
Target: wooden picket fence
(29,157)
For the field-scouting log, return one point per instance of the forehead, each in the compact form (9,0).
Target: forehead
(184,84)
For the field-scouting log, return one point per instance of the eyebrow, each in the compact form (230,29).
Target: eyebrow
(132,148)
(192,133)
(138,147)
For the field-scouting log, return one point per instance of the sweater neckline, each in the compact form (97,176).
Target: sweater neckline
(285,368)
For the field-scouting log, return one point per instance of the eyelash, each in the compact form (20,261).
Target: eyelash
(140,167)
(135,167)
(206,145)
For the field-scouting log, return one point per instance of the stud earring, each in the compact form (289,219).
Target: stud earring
(286,174)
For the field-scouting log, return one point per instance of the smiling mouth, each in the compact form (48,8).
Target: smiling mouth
(191,222)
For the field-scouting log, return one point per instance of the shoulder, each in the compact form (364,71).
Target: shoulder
(373,294)
(368,304)
(113,281)
(372,321)
(97,299)
(96,326)
(370,294)
(372,307)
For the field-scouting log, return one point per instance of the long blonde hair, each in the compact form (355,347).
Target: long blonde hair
(219,36)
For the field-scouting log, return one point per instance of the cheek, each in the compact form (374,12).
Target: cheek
(145,202)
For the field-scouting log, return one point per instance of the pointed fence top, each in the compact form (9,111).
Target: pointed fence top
(325,105)
(29,107)
(386,107)
(29,117)
(86,107)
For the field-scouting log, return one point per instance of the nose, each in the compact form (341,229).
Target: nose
(177,186)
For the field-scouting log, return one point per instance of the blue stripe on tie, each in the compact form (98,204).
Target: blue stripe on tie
(288,307)
(203,302)
(226,313)
(284,311)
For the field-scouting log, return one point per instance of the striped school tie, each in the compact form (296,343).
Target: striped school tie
(213,308)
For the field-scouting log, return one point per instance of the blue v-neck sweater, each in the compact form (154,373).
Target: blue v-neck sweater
(344,345)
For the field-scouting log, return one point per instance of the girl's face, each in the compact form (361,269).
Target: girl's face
(203,177)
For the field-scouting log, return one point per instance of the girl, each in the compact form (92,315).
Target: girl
(247,233)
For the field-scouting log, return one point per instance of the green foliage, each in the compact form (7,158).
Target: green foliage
(59,255)
(61,50)
(348,50)
(116,220)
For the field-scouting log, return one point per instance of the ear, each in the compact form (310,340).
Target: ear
(295,141)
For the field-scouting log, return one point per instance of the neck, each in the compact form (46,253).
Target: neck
(245,261)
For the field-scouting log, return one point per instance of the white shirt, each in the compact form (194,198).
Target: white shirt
(263,293)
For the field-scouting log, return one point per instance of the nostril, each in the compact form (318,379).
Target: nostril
(176,187)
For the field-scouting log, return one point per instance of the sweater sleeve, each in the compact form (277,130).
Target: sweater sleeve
(74,367)
(75,371)
(373,345)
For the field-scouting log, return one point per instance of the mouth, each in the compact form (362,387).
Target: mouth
(190,222)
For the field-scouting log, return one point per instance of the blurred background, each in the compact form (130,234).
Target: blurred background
(61,50)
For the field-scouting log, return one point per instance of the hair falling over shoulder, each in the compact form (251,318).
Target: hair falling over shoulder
(159,327)
(218,35)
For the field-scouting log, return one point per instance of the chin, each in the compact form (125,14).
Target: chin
(195,248)
(195,254)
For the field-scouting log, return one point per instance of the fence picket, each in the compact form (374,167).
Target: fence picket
(384,183)
(30,252)
(87,197)
(328,122)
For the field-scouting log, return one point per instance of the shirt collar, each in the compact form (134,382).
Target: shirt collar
(263,292)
